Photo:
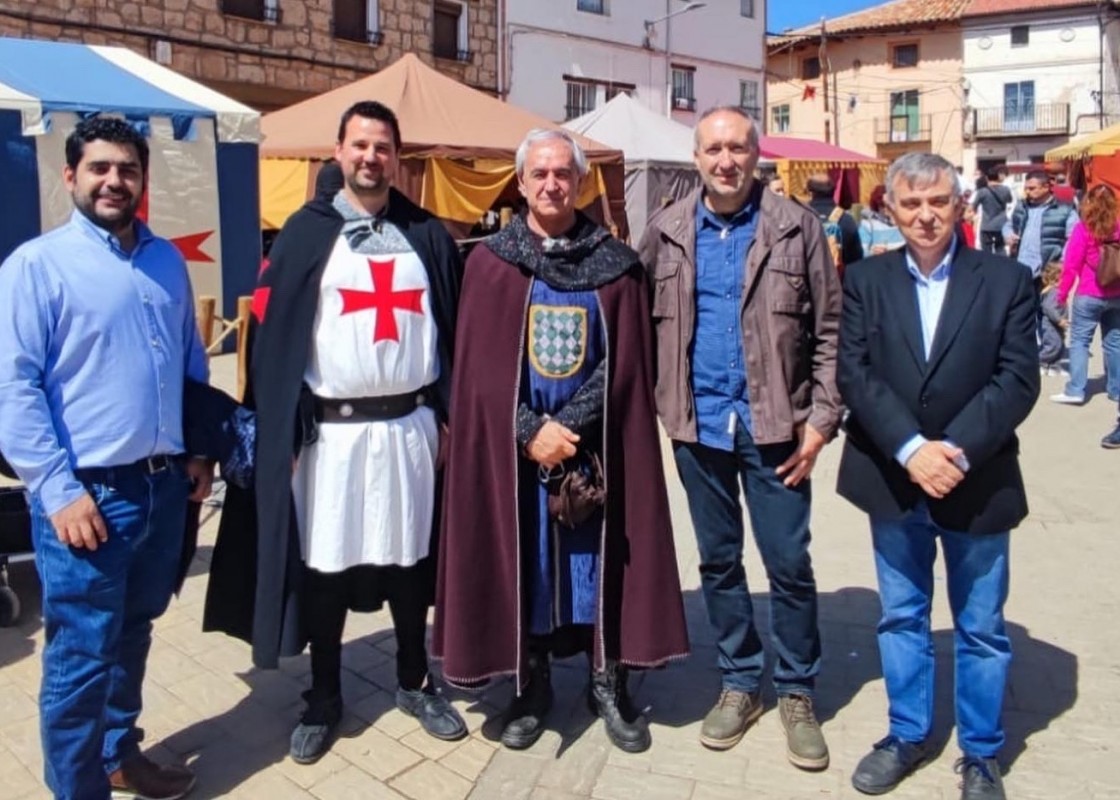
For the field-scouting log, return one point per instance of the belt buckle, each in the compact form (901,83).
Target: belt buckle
(157,464)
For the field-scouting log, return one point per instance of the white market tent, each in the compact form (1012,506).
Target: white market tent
(658,153)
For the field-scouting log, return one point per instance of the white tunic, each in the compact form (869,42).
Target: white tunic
(364,492)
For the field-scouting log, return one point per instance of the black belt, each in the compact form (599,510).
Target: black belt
(368,409)
(152,465)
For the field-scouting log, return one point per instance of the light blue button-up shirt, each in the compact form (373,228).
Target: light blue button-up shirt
(94,347)
(931,298)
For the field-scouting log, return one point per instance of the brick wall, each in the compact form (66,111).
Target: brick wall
(267,65)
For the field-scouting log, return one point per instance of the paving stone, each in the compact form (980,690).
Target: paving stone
(353,783)
(616,783)
(377,754)
(470,758)
(431,781)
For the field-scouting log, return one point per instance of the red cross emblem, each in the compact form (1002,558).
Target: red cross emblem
(383,300)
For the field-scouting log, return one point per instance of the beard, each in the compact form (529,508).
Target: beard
(110,219)
(361,185)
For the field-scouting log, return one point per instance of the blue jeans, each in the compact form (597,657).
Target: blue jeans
(1085,315)
(780,522)
(977,579)
(98,608)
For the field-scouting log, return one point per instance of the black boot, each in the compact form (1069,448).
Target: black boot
(609,699)
(523,722)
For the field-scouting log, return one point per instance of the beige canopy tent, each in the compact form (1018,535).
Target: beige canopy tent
(658,153)
(457,154)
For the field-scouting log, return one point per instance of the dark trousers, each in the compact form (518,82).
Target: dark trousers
(780,521)
(325,601)
(992,242)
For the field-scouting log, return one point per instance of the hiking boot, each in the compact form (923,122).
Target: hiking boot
(805,745)
(729,718)
(317,728)
(1112,440)
(436,715)
(141,778)
(609,698)
(980,778)
(889,761)
(523,721)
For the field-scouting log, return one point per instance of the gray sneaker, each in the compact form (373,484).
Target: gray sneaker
(729,719)
(805,743)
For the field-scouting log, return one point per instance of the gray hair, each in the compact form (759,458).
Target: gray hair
(921,169)
(548,135)
(752,136)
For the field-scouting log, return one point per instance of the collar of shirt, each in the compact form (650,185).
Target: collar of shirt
(83,223)
(705,217)
(940,272)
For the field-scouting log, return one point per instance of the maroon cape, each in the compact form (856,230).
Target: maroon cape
(480,624)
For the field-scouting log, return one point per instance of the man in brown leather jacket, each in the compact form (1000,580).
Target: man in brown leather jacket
(746,307)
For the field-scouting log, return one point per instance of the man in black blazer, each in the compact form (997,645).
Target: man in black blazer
(938,365)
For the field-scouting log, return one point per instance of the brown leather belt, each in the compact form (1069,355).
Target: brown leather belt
(368,409)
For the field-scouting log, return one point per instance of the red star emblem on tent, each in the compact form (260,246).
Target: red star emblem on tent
(383,300)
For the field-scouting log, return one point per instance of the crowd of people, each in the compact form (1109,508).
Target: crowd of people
(482,437)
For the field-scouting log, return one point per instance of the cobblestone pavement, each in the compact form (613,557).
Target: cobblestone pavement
(205,705)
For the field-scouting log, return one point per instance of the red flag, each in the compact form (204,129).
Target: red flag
(809,93)
(191,247)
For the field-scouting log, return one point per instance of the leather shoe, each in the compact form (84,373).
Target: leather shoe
(317,729)
(886,765)
(608,697)
(523,721)
(141,778)
(980,778)
(436,715)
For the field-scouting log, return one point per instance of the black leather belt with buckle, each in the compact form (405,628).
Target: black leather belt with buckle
(152,465)
(368,409)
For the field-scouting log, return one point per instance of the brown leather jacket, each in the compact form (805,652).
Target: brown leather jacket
(790,319)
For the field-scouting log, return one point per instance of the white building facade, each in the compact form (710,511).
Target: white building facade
(563,58)
(1034,79)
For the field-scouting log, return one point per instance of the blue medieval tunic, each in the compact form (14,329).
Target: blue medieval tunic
(564,345)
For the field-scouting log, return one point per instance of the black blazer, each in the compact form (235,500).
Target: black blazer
(980,381)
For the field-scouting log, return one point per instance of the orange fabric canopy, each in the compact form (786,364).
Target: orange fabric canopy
(438,115)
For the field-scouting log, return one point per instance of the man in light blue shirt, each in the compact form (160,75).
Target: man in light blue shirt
(97,333)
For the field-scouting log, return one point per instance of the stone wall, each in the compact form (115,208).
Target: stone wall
(264,64)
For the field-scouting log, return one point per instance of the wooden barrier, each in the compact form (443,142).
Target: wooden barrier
(244,308)
(208,320)
(205,315)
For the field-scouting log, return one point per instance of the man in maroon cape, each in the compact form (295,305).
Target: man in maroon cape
(555,366)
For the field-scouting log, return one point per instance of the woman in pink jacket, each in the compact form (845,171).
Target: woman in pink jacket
(1092,305)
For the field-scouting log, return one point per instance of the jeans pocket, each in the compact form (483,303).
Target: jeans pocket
(100,492)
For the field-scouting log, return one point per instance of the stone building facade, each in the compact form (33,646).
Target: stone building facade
(272,53)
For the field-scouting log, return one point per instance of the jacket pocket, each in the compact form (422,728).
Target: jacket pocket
(666,289)
(787,286)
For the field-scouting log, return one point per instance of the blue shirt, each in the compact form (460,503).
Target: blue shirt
(719,370)
(96,343)
(931,298)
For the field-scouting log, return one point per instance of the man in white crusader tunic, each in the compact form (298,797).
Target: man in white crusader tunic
(364,483)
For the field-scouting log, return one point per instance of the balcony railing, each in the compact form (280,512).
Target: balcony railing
(682,103)
(1043,118)
(903,128)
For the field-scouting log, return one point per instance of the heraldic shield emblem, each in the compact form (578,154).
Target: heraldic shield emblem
(557,340)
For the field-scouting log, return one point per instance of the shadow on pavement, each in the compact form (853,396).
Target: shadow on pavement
(17,642)
(1042,685)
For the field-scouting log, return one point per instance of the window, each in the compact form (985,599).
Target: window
(615,89)
(810,68)
(1018,106)
(779,119)
(683,96)
(1020,35)
(357,21)
(592,6)
(904,55)
(905,124)
(581,98)
(449,31)
(748,97)
(746,8)
(247,9)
